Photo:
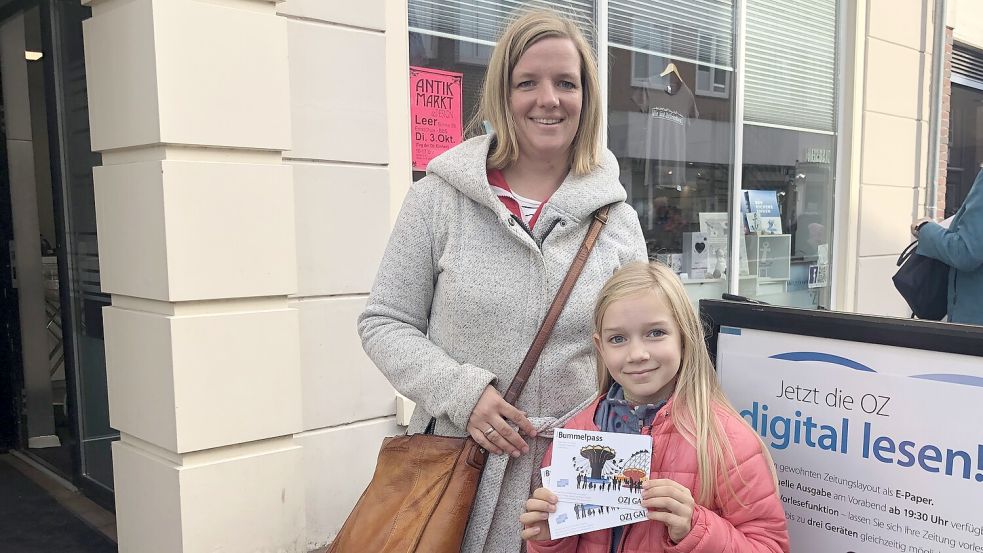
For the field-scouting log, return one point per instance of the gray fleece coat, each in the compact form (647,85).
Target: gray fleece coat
(461,291)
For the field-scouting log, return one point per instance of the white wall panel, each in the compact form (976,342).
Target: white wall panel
(122,81)
(337,100)
(340,383)
(190,383)
(368,14)
(901,22)
(342,217)
(182,230)
(885,215)
(254,502)
(228,89)
(349,450)
(894,79)
(876,294)
(890,153)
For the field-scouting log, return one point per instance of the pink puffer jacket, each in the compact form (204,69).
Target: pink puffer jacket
(753,522)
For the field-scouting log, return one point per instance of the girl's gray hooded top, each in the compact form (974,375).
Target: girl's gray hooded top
(461,291)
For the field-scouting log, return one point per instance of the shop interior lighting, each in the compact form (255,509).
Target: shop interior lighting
(32,56)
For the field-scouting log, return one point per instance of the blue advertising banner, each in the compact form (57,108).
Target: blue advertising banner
(878,448)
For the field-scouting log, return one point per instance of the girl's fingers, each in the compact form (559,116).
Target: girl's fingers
(530,518)
(539,506)
(666,488)
(682,496)
(532,532)
(663,482)
(669,519)
(662,504)
(545,495)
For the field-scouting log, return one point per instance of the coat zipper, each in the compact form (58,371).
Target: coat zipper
(528,230)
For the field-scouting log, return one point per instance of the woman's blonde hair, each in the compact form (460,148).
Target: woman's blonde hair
(697,390)
(527,29)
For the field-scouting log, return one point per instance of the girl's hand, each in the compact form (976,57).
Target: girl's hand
(670,503)
(489,425)
(538,508)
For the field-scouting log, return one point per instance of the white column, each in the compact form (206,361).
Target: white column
(189,106)
(349,87)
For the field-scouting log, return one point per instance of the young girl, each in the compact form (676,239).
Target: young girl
(712,487)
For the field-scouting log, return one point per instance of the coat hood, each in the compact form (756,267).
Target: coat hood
(464,167)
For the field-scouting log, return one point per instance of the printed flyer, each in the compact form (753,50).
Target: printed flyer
(571,519)
(877,448)
(600,468)
(435,108)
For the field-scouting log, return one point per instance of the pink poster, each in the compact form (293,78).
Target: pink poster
(435,106)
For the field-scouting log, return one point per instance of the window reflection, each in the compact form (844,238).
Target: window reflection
(673,142)
(794,170)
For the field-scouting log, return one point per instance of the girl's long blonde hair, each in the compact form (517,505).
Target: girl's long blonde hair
(527,29)
(697,390)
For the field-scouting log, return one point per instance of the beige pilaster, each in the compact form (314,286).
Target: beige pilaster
(189,104)
(889,93)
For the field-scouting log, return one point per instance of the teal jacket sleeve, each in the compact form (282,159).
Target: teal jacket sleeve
(960,246)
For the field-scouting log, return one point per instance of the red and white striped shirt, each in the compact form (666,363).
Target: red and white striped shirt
(524,208)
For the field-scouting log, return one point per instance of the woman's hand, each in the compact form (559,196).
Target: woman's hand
(917,225)
(538,509)
(489,425)
(670,503)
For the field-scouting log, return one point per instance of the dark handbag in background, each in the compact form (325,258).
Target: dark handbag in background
(424,486)
(924,283)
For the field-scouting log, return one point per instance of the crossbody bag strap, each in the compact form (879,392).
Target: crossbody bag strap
(542,336)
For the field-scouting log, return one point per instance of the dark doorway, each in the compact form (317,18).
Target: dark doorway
(965,145)
(53,389)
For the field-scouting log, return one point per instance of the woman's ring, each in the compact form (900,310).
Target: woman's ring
(489,431)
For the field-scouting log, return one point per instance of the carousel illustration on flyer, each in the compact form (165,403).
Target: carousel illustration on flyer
(600,468)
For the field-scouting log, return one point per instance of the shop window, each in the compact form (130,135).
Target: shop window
(788,168)
(671,124)
(674,146)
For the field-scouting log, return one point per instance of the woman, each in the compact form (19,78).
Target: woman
(477,255)
(961,248)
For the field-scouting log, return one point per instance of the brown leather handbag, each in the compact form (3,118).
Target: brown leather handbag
(424,486)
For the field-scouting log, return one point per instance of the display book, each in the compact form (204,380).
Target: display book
(597,477)
(761,212)
(768,248)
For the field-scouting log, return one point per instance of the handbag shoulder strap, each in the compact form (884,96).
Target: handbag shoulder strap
(907,253)
(542,336)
